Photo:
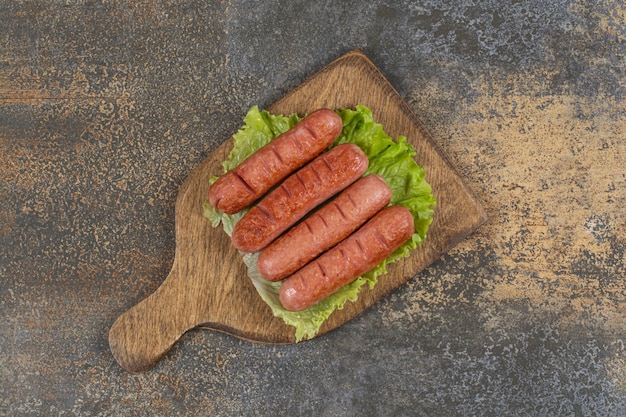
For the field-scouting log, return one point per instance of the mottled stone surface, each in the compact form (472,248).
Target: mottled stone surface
(107,106)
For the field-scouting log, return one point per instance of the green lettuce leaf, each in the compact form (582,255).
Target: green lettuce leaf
(393,160)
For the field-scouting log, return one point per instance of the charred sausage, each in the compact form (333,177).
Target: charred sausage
(246,183)
(354,256)
(300,193)
(325,228)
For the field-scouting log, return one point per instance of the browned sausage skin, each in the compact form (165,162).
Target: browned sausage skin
(246,183)
(324,228)
(354,256)
(300,193)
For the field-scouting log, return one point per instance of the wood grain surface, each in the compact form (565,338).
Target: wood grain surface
(208,287)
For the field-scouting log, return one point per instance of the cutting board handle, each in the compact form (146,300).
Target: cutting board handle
(146,332)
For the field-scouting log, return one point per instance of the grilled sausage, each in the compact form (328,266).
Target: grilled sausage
(325,228)
(246,183)
(354,256)
(300,193)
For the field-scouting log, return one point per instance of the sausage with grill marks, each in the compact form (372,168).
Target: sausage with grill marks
(300,193)
(246,183)
(354,256)
(324,228)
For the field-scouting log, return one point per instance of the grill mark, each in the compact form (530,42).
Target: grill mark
(310,130)
(317,174)
(381,239)
(343,255)
(297,143)
(303,282)
(323,220)
(343,215)
(280,158)
(286,190)
(361,248)
(265,167)
(245,184)
(352,200)
(308,226)
(321,268)
(266,213)
(328,164)
(300,179)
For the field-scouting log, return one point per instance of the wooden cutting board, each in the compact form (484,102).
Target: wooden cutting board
(208,287)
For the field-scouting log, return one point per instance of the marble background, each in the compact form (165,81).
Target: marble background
(107,106)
